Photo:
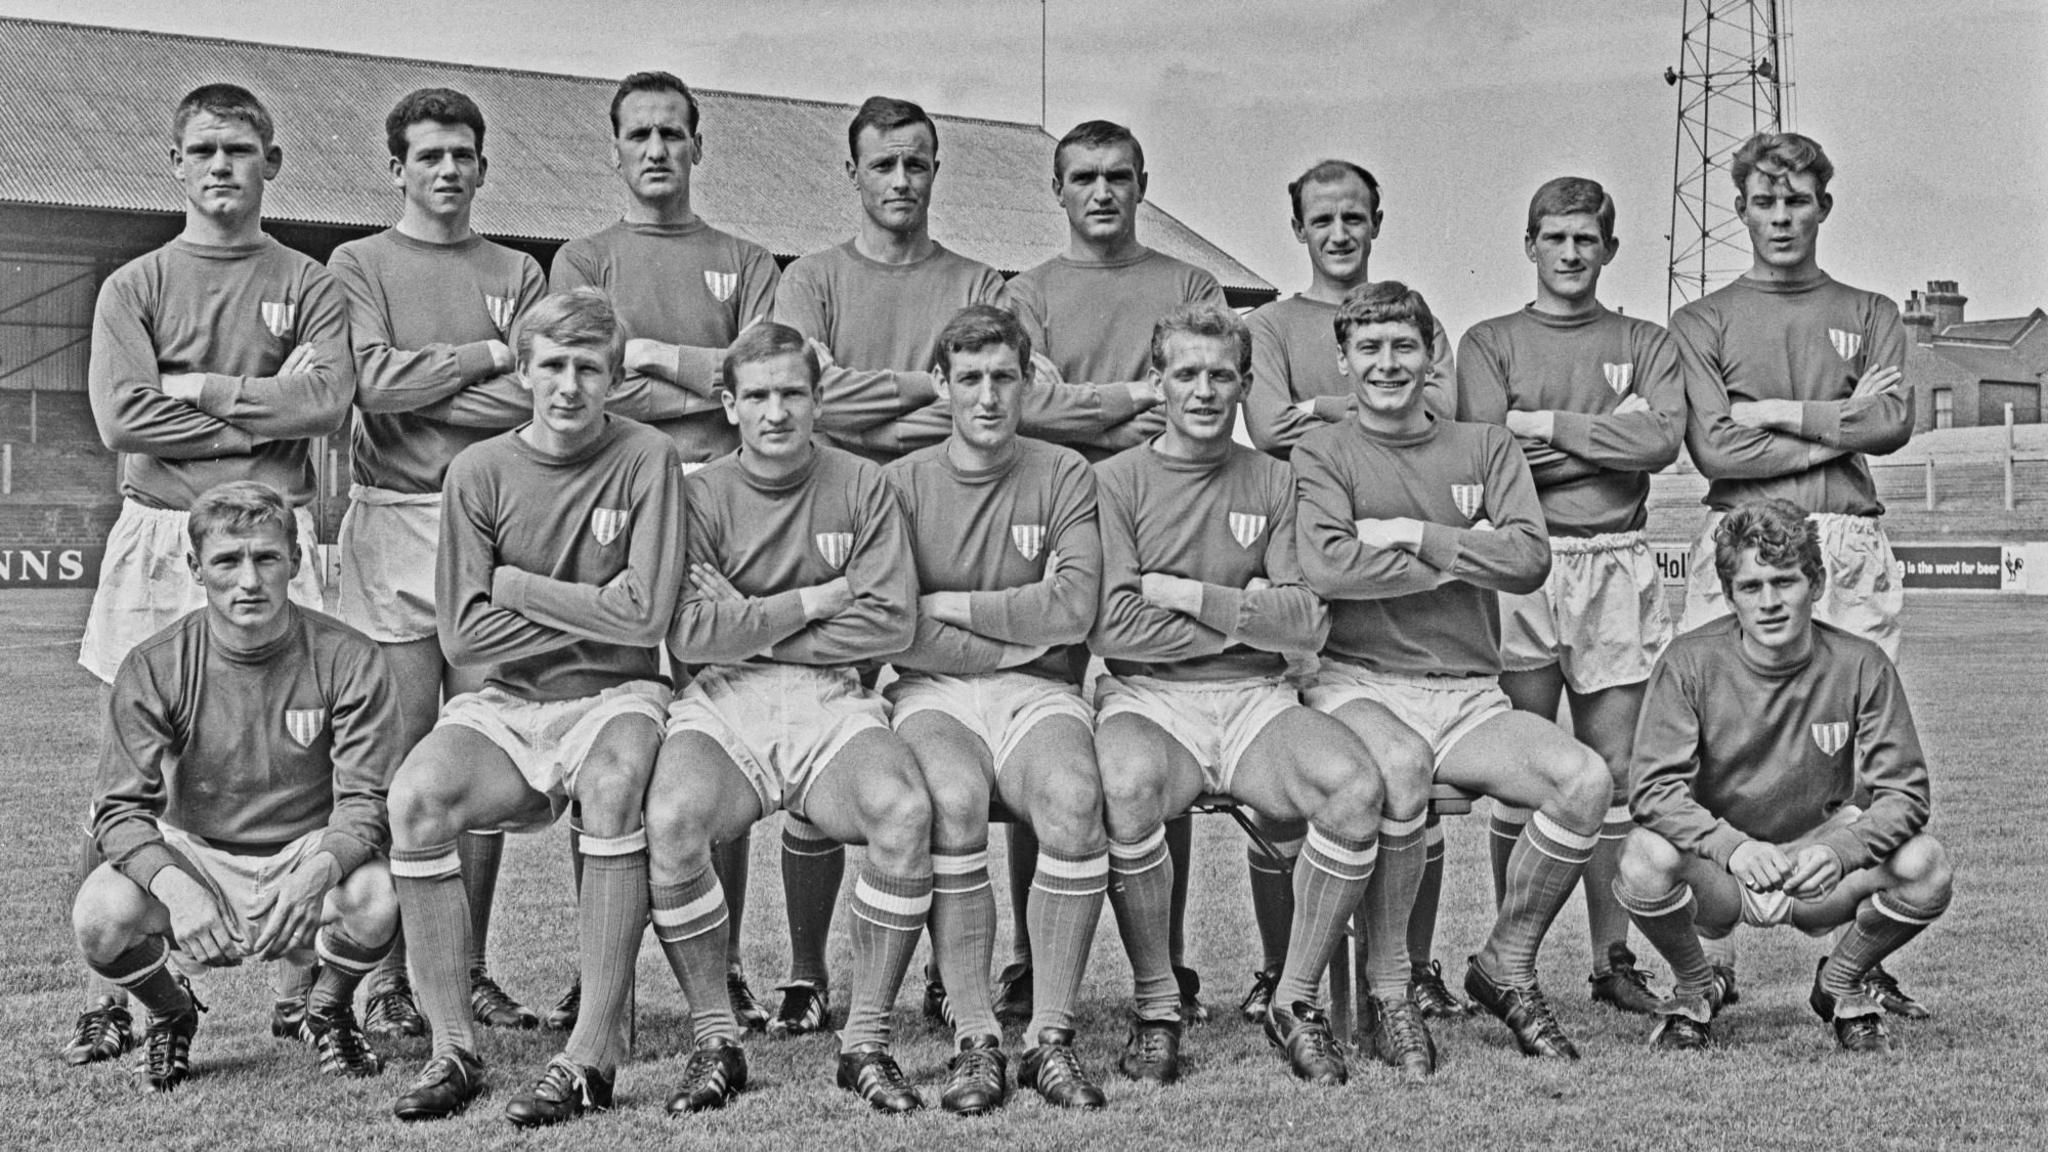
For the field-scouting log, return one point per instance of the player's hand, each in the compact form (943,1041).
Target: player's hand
(947,608)
(1631,403)
(203,929)
(1402,532)
(1770,415)
(1052,566)
(711,584)
(823,352)
(828,599)
(288,914)
(1142,394)
(1257,584)
(1815,872)
(1880,379)
(1760,866)
(303,358)
(1173,593)
(1535,426)
(650,358)
(185,386)
(502,360)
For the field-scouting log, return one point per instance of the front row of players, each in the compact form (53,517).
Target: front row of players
(1180,562)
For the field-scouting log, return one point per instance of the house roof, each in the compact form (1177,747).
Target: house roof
(87,102)
(2008,332)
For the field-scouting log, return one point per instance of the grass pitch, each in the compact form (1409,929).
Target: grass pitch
(1973,668)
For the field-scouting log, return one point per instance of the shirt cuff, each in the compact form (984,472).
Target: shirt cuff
(218,394)
(916,389)
(508,589)
(1848,848)
(701,370)
(1721,843)
(473,362)
(1331,409)
(142,864)
(349,852)
(1821,420)
(1439,546)
(1571,432)
(785,612)
(1221,608)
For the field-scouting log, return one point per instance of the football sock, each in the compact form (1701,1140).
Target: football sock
(1273,887)
(1141,894)
(576,846)
(1504,826)
(144,972)
(1545,868)
(964,936)
(434,908)
(689,921)
(1023,861)
(1329,880)
(1666,920)
(344,961)
(887,916)
(1606,921)
(1388,901)
(1180,844)
(1422,920)
(813,865)
(611,913)
(1064,908)
(1720,950)
(729,864)
(1884,923)
(480,852)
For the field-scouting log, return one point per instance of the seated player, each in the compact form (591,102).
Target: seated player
(240,807)
(1757,732)
(1409,526)
(561,556)
(1202,596)
(1003,531)
(800,571)
(1597,402)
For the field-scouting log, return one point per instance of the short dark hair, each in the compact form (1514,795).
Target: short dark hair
(583,317)
(442,106)
(1781,533)
(1569,196)
(1384,302)
(1778,155)
(653,82)
(766,341)
(227,101)
(980,326)
(886,114)
(1202,320)
(1096,134)
(1331,172)
(240,506)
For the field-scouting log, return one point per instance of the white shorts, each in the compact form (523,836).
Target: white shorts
(241,882)
(780,723)
(548,740)
(1215,720)
(145,585)
(1864,594)
(1441,709)
(387,546)
(1600,616)
(998,707)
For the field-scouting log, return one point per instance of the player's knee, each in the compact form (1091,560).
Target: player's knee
(959,807)
(1352,809)
(1407,771)
(1923,869)
(1067,812)
(1581,785)
(368,903)
(896,813)
(103,920)
(611,789)
(1649,863)
(1133,799)
(422,805)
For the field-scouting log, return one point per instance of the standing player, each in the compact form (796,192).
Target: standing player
(683,290)
(561,555)
(1003,530)
(801,570)
(1790,377)
(241,794)
(431,304)
(1409,525)
(1297,385)
(220,356)
(1202,598)
(1760,737)
(1598,404)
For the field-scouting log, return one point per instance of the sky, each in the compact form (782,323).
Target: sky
(1936,115)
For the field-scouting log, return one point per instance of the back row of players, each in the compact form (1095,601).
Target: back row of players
(1433,503)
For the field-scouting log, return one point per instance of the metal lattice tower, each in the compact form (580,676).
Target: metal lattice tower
(1734,79)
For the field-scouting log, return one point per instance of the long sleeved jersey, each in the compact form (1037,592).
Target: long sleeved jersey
(560,573)
(994,534)
(235,314)
(1808,341)
(1433,611)
(1225,523)
(1594,475)
(1296,386)
(1728,750)
(247,749)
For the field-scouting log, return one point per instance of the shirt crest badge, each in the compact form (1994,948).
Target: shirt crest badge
(721,284)
(607,523)
(1831,738)
(1470,498)
(305,724)
(1028,538)
(280,316)
(501,312)
(1246,528)
(1619,376)
(1847,344)
(835,547)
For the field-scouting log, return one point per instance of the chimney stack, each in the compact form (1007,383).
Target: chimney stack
(1918,317)
(1945,303)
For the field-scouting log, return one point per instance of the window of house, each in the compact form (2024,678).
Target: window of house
(1944,408)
